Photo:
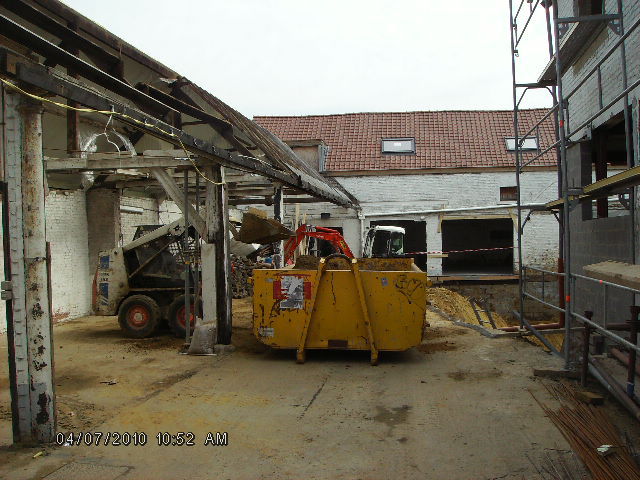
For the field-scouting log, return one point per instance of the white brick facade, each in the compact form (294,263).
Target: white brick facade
(402,193)
(130,221)
(68,233)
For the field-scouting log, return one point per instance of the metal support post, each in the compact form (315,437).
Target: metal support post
(633,338)
(585,350)
(33,386)
(223,263)
(278,214)
(196,264)
(187,263)
(208,258)
(565,192)
(514,34)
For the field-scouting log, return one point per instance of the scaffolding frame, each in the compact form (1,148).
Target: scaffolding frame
(557,26)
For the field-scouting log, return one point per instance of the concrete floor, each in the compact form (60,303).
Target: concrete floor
(457,407)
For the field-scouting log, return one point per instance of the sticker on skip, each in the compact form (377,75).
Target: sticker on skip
(266,331)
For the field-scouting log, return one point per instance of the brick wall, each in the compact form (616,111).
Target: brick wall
(585,102)
(168,212)
(403,193)
(103,221)
(67,233)
(71,274)
(130,221)
(596,240)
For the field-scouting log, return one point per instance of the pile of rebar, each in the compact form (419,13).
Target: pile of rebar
(592,436)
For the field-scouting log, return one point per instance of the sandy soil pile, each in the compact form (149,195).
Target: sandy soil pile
(458,306)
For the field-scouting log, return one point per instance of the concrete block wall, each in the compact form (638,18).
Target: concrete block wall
(594,241)
(585,102)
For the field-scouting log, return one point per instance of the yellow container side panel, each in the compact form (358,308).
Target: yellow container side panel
(396,302)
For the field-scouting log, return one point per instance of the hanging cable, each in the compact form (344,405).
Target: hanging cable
(111,113)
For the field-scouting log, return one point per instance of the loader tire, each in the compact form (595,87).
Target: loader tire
(176,315)
(139,316)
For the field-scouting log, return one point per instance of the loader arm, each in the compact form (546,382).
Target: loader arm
(328,234)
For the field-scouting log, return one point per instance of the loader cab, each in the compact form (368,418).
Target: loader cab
(384,241)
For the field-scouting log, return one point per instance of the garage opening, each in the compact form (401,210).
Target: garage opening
(478,234)
(415,239)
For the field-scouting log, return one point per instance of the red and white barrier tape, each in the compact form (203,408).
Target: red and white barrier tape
(461,251)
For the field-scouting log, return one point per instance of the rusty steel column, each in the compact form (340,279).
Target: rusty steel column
(38,315)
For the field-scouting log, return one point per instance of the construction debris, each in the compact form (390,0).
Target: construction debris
(591,435)
(459,307)
(241,271)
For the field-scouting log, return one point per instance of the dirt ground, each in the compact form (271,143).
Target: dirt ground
(459,406)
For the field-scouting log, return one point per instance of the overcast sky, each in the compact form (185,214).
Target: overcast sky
(301,57)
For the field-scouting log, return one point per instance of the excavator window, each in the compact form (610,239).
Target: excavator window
(381,244)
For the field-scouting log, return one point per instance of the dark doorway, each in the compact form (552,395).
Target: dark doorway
(415,238)
(322,248)
(478,234)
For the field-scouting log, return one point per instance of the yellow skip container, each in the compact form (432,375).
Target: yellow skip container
(375,304)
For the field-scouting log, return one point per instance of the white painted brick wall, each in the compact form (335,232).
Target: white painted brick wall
(402,193)
(71,276)
(129,221)
(168,212)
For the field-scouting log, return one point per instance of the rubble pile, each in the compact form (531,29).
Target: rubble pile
(241,271)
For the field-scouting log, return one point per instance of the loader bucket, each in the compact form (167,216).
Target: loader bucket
(260,229)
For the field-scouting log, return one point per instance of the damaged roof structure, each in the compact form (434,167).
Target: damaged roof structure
(84,111)
(49,47)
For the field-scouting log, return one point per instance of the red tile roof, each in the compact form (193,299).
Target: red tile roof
(444,139)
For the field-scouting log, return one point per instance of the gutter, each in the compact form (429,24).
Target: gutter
(461,209)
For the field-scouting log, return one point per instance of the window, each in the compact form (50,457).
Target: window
(583,8)
(508,194)
(399,145)
(529,143)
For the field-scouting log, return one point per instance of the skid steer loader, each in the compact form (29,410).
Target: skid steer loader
(143,281)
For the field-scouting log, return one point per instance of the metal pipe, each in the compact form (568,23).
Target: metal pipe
(617,98)
(517,148)
(196,277)
(537,334)
(603,58)
(565,185)
(610,383)
(537,269)
(633,338)
(606,333)
(604,282)
(187,263)
(623,358)
(585,350)
(460,209)
(537,326)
